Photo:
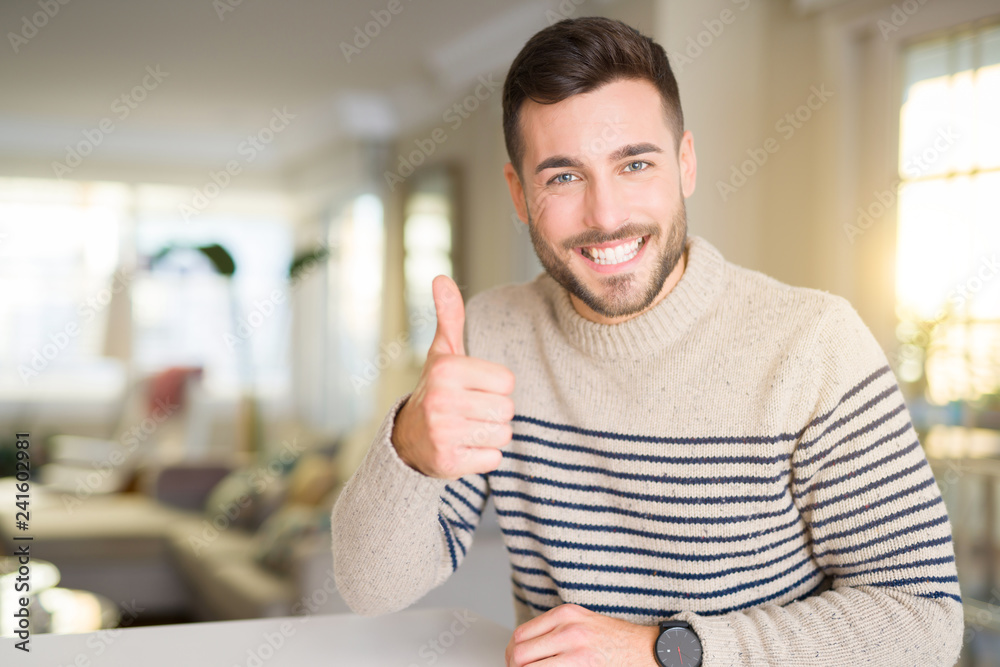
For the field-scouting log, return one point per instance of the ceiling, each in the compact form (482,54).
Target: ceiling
(229,64)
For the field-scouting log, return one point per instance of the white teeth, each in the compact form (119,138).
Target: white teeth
(615,255)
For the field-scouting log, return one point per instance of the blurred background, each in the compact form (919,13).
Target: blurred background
(219,222)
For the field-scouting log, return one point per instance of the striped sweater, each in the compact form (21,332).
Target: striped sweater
(739,457)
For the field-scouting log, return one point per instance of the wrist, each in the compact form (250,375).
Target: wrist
(677,645)
(649,636)
(397,437)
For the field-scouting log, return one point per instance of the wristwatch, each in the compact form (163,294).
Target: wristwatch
(677,645)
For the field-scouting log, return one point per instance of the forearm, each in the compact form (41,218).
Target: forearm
(863,625)
(388,545)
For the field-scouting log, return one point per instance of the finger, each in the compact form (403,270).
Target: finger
(543,623)
(450,311)
(485,434)
(479,374)
(541,650)
(477,461)
(481,406)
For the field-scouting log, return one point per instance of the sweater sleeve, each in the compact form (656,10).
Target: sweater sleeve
(876,520)
(398,533)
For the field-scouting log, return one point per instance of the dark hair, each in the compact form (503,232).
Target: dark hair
(577,56)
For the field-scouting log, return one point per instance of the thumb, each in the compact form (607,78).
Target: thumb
(450,317)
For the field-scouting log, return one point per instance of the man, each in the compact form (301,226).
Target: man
(666,436)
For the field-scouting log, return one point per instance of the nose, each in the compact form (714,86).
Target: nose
(606,205)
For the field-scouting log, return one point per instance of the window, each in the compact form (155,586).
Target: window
(59,251)
(427,240)
(353,327)
(185,312)
(947,272)
(63,246)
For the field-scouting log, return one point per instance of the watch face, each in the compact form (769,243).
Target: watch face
(678,647)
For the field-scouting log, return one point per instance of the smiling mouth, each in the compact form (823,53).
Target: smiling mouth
(618,253)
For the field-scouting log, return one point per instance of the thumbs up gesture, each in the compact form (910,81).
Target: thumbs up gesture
(458,416)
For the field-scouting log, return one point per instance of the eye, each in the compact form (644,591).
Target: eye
(562,179)
(638,165)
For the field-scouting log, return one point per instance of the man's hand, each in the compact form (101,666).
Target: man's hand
(573,635)
(458,416)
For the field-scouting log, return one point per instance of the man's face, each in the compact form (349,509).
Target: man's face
(600,172)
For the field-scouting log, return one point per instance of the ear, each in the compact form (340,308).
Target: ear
(688,164)
(516,192)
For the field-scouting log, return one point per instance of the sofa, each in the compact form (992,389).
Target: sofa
(163,552)
(160,551)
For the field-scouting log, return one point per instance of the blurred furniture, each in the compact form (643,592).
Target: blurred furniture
(444,637)
(162,418)
(142,551)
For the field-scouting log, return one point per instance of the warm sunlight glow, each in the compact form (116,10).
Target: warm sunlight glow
(948,239)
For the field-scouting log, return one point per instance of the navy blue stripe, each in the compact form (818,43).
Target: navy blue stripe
(880,521)
(889,554)
(457,513)
(478,492)
(451,547)
(662,479)
(662,554)
(704,440)
(876,503)
(536,589)
(623,530)
(651,458)
(528,603)
(864,383)
(463,500)
(663,518)
(882,481)
(663,614)
(645,611)
(628,437)
(706,595)
(884,538)
(459,543)
(878,398)
(902,566)
(843,399)
(622,549)
(827,483)
(471,524)
(916,580)
(647,571)
(937,595)
(665,499)
(461,524)
(850,437)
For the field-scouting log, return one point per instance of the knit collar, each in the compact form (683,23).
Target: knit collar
(702,281)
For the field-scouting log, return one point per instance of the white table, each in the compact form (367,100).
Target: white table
(442,637)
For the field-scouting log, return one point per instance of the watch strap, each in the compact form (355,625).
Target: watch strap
(675,624)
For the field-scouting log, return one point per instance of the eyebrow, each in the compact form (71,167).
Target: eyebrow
(630,150)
